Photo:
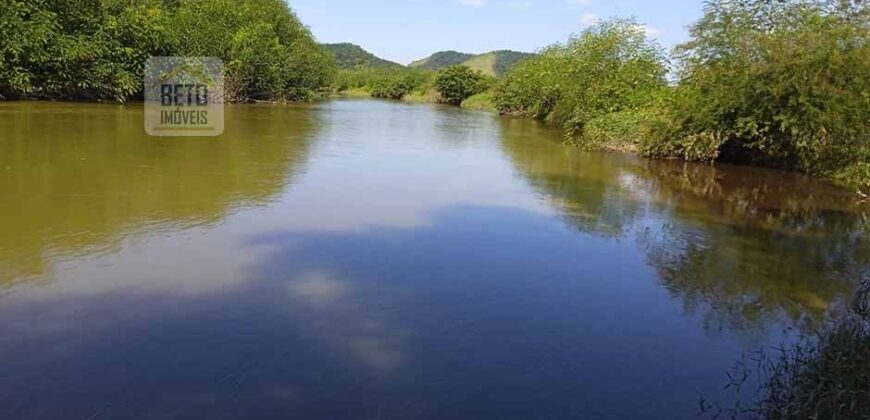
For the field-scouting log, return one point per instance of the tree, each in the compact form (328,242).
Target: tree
(457,83)
(96,49)
(780,84)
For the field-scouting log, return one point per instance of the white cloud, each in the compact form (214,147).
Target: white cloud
(473,3)
(589,19)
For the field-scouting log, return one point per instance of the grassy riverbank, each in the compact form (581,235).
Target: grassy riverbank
(778,84)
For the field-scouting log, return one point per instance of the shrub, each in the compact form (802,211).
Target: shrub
(457,83)
(480,102)
(78,48)
(780,84)
(609,68)
(823,376)
(396,84)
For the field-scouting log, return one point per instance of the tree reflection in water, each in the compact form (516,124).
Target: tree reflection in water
(741,247)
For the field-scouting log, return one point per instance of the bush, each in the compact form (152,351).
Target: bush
(79,48)
(480,102)
(96,49)
(269,54)
(396,84)
(609,68)
(780,84)
(822,376)
(457,83)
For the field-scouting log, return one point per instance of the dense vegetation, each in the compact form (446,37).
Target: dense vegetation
(397,84)
(607,71)
(782,84)
(382,83)
(351,56)
(458,83)
(825,375)
(96,49)
(775,83)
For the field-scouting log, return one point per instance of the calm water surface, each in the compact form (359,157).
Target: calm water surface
(377,260)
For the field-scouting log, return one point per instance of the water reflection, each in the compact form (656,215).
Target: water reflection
(741,247)
(77,178)
(595,191)
(745,246)
(337,317)
(375,259)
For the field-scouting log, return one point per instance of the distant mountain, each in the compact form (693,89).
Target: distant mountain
(441,60)
(495,63)
(351,56)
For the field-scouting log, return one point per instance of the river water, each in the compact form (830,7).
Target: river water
(361,259)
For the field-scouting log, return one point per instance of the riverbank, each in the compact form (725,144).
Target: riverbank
(617,132)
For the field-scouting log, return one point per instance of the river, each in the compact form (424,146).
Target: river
(362,259)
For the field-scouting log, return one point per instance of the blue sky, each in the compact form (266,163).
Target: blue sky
(406,30)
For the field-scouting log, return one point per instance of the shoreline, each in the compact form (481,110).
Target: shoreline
(430,98)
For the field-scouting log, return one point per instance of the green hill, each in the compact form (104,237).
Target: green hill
(441,60)
(495,63)
(352,56)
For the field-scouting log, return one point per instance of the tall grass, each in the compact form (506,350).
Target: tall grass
(825,375)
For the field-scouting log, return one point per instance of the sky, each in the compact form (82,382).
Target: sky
(407,30)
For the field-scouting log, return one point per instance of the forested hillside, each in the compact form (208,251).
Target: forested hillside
(351,56)
(494,63)
(440,60)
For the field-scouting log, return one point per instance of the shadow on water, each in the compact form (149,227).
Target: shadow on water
(78,178)
(742,246)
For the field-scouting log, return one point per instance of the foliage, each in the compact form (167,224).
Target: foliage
(397,84)
(780,84)
(608,68)
(823,376)
(480,102)
(269,54)
(383,83)
(78,48)
(457,83)
(830,379)
(350,56)
(96,49)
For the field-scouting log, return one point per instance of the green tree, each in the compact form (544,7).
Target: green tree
(609,68)
(96,49)
(457,83)
(779,84)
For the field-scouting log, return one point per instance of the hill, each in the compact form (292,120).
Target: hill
(441,60)
(352,56)
(494,63)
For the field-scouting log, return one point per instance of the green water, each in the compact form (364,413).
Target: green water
(367,259)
